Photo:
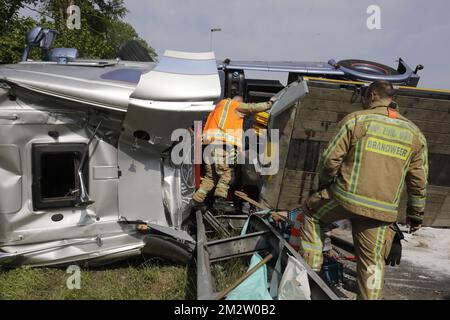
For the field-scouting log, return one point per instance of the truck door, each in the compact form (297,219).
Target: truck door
(281,118)
(286,99)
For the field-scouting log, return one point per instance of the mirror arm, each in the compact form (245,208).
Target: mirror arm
(26,53)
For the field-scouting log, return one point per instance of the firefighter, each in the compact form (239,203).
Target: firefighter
(223,131)
(361,178)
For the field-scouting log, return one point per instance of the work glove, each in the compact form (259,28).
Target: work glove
(395,255)
(414,219)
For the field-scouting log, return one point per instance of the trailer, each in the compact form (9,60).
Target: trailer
(311,122)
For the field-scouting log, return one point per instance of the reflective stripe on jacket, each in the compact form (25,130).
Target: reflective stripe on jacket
(368,162)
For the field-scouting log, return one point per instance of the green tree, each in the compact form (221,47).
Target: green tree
(12,40)
(8,11)
(13,29)
(97,14)
(102,33)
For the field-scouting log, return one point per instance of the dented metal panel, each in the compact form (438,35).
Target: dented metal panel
(10,179)
(43,104)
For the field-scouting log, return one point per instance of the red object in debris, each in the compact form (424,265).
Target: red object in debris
(197,176)
(294,240)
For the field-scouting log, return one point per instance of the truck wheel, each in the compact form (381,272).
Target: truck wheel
(368,67)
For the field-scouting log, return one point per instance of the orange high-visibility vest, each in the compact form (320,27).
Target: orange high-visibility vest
(224,124)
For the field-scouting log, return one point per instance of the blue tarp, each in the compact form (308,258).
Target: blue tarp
(255,286)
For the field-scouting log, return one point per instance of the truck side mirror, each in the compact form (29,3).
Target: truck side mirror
(34,37)
(40,38)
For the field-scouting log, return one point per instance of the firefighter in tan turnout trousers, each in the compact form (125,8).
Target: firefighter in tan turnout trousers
(223,129)
(361,177)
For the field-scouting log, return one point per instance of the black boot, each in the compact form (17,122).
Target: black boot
(195,205)
(221,205)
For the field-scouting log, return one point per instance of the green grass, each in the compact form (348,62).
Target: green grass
(150,280)
(226,273)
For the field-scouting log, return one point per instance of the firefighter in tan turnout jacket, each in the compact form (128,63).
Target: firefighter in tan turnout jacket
(361,177)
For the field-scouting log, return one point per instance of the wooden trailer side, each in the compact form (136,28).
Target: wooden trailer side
(315,123)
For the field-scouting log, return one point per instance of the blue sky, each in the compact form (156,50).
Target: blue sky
(300,30)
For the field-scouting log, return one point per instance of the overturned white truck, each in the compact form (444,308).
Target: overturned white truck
(85,152)
(84,157)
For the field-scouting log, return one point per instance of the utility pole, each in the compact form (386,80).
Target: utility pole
(211,37)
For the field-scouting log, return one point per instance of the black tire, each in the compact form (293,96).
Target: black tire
(134,51)
(368,67)
(167,248)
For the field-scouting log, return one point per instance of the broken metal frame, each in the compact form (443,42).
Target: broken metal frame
(260,236)
(215,224)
